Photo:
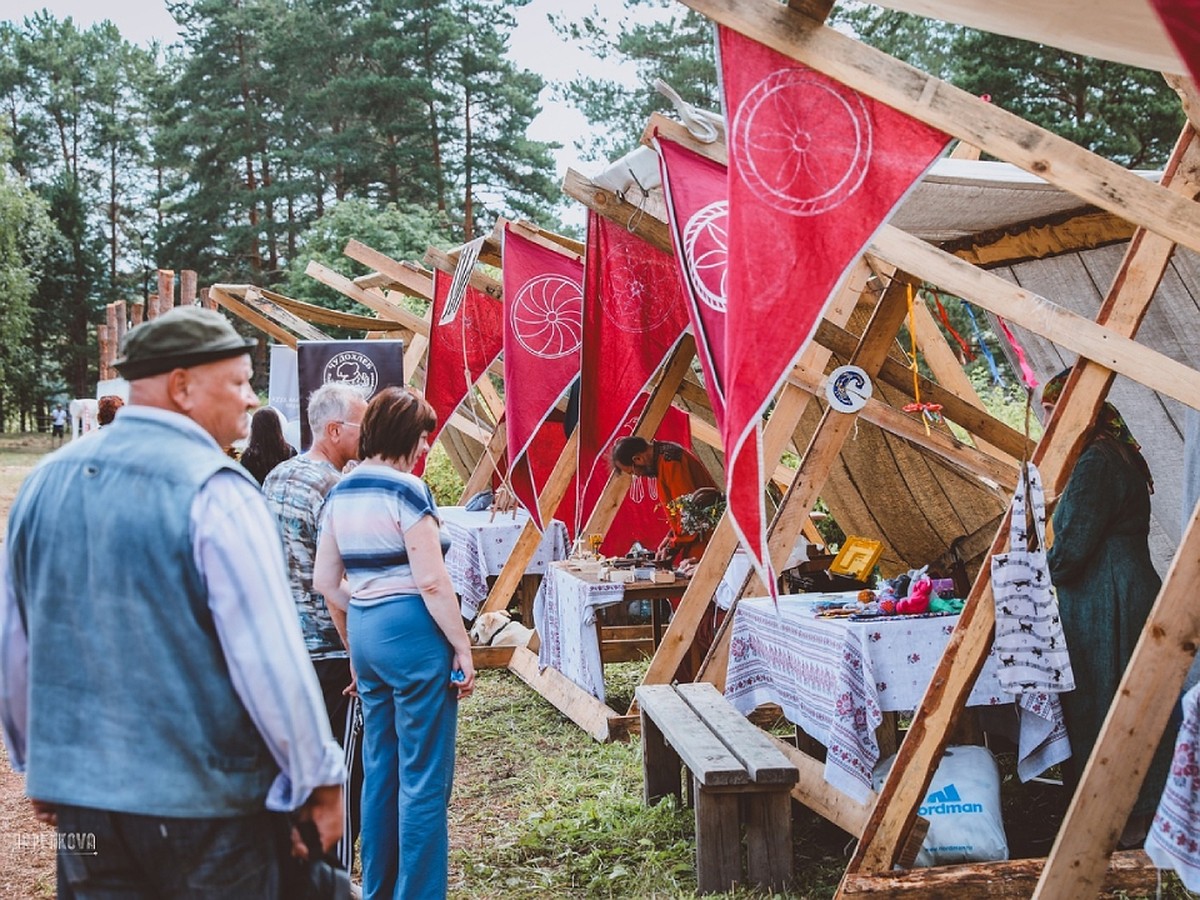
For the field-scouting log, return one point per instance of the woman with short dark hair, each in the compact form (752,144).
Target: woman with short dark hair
(382,554)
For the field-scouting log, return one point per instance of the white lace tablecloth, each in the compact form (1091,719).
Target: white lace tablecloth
(1174,838)
(835,679)
(480,545)
(564,613)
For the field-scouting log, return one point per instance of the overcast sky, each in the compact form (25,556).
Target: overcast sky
(534,45)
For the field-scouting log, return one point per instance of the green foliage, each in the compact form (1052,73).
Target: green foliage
(676,46)
(441,477)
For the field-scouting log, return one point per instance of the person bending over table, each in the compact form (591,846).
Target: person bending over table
(1106,583)
(677,472)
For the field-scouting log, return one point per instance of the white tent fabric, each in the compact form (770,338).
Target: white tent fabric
(1125,31)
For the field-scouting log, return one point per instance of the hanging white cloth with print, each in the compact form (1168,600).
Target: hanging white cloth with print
(1029,636)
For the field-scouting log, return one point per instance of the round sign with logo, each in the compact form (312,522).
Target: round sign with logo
(353,368)
(848,389)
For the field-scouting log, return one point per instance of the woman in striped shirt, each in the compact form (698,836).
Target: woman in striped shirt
(382,554)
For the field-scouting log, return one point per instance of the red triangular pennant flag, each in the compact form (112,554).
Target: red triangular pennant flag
(634,315)
(543,325)
(1181,18)
(460,348)
(696,191)
(814,169)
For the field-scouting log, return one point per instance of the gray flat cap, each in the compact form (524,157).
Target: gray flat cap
(185,336)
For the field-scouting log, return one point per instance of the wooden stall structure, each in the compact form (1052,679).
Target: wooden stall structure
(1163,215)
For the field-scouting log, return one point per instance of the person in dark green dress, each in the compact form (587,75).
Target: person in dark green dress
(1106,584)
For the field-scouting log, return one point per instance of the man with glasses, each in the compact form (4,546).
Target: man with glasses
(295,491)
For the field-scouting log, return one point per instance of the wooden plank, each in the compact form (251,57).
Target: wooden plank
(712,764)
(491,657)
(563,694)
(764,763)
(255,298)
(661,765)
(718,842)
(928,733)
(253,316)
(946,446)
(1070,330)
(961,114)
(440,260)
(535,231)
(319,315)
(409,278)
(813,791)
(530,538)
(1146,696)
(386,308)
(1129,873)
(767,819)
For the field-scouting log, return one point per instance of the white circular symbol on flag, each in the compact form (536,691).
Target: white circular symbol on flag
(547,316)
(638,289)
(801,142)
(706,248)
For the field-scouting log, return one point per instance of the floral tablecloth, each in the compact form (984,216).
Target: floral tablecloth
(1174,838)
(481,544)
(564,613)
(835,678)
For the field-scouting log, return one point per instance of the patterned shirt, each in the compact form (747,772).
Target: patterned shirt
(367,514)
(295,492)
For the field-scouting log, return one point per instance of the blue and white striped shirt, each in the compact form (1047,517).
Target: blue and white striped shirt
(367,515)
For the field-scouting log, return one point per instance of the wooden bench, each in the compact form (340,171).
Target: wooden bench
(739,781)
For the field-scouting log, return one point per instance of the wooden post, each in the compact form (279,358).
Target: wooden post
(137,313)
(152,307)
(206,299)
(102,342)
(187,287)
(166,290)
(122,323)
(906,784)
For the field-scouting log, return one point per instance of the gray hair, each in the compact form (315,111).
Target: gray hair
(331,402)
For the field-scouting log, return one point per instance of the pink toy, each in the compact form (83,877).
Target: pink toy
(917,600)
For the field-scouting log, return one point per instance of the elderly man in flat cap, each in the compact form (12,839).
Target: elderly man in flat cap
(159,697)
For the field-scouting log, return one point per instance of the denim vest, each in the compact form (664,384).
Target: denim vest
(131,705)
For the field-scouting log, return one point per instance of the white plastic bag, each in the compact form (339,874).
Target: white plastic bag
(962,806)
(1029,636)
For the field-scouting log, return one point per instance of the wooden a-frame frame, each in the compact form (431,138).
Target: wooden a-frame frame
(1166,214)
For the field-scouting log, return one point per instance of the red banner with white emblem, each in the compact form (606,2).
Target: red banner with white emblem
(461,346)
(633,316)
(1181,19)
(697,192)
(543,330)
(814,169)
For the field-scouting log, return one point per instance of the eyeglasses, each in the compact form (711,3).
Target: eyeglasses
(348,424)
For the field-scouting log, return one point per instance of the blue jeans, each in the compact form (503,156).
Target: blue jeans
(106,855)
(410,714)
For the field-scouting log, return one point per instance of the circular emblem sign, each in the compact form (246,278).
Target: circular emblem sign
(848,389)
(780,157)
(353,368)
(634,300)
(706,247)
(547,316)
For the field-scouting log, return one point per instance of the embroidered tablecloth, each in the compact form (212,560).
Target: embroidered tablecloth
(835,678)
(481,544)
(1174,838)
(564,612)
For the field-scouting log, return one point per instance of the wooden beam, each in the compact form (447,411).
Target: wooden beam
(320,315)
(439,259)
(547,240)
(1025,308)
(1128,874)
(253,316)
(389,309)
(961,114)
(1038,240)
(955,676)
(563,694)
(406,277)
(255,298)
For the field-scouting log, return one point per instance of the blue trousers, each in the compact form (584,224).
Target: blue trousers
(410,716)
